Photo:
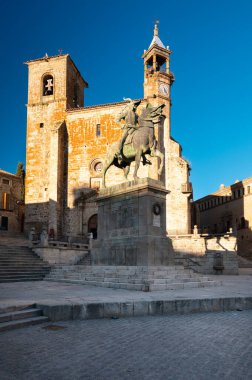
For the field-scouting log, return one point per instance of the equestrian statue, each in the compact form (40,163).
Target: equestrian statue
(138,139)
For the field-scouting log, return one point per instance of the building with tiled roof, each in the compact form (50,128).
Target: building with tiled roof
(228,209)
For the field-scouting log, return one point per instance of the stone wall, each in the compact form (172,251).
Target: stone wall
(207,254)
(60,255)
(11,202)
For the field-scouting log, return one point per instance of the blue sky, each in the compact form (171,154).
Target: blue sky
(211,43)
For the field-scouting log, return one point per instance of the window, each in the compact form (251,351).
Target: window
(6,181)
(48,85)
(248,189)
(98,130)
(76,96)
(41,125)
(5,201)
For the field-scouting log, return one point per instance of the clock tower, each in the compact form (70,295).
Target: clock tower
(157,76)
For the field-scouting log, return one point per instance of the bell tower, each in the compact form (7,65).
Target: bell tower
(55,85)
(157,76)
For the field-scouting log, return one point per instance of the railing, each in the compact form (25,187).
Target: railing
(186,187)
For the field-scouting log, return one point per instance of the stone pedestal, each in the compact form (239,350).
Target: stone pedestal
(132,225)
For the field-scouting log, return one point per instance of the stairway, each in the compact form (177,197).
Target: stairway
(132,277)
(86,260)
(13,317)
(19,263)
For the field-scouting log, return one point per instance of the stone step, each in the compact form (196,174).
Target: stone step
(16,253)
(32,261)
(23,279)
(135,278)
(23,270)
(22,323)
(14,317)
(19,263)
(91,272)
(175,286)
(112,277)
(21,274)
(101,284)
(150,280)
(20,314)
(21,255)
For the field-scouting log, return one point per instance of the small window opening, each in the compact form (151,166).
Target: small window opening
(6,181)
(75,96)
(48,85)
(98,130)
(41,125)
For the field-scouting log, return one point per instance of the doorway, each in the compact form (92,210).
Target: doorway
(92,225)
(4,223)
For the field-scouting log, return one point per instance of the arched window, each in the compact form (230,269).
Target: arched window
(48,85)
(92,225)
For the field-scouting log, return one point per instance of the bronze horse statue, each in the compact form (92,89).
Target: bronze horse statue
(139,141)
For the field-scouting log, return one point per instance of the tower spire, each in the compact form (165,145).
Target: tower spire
(156,40)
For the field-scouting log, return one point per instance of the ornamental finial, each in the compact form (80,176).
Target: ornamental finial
(156,28)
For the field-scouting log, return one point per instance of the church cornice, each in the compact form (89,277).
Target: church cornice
(106,105)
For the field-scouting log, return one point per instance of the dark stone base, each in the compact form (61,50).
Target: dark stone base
(142,250)
(132,225)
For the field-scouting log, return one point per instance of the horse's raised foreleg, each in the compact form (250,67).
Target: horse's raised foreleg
(157,153)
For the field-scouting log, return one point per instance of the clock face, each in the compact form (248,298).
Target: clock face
(163,88)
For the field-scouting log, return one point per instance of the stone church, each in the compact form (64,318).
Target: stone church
(67,144)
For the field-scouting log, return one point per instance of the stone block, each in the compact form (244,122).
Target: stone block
(156,308)
(57,312)
(94,311)
(127,309)
(141,308)
(111,310)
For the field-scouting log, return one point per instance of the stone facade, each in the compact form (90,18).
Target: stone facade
(11,202)
(228,208)
(68,142)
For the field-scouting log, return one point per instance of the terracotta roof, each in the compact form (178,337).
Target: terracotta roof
(7,173)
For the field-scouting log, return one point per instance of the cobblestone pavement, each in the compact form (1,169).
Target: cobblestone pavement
(195,346)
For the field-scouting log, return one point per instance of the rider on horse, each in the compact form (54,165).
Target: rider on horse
(131,124)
